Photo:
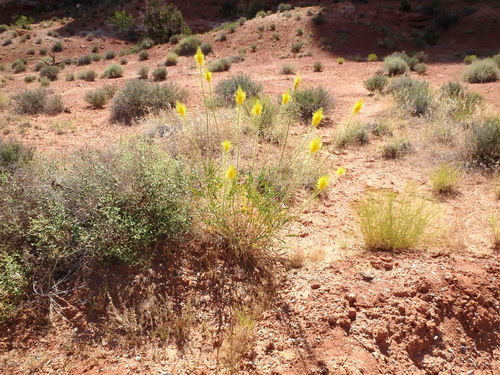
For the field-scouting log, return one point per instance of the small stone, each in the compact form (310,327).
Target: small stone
(315,286)
(352,313)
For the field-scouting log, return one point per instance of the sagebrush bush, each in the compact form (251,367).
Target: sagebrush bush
(469,59)
(113,71)
(444,179)
(37,101)
(159,74)
(414,97)
(110,55)
(353,133)
(57,47)
(372,57)
(39,65)
(97,98)
(188,46)
(220,65)
(87,75)
(307,101)
(19,67)
(376,83)
(164,21)
(318,66)
(391,221)
(14,154)
(396,148)
(206,48)
(297,46)
(29,79)
(421,68)
(54,105)
(481,71)
(50,72)
(395,65)
(287,68)
(227,88)
(97,56)
(483,141)
(171,59)
(143,55)
(143,72)
(138,97)
(84,60)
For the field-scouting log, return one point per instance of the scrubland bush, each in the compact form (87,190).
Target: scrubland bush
(188,46)
(395,65)
(164,21)
(481,71)
(206,48)
(297,46)
(139,97)
(143,55)
(53,105)
(110,55)
(33,102)
(171,59)
(29,79)
(227,88)
(287,68)
(469,59)
(318,66)
(340,60)
(87,75)
(483,142)
(19,66)
(50,72)
(307,101)
(414,97)
(57,47)
(444,179)
(70,77)
(113,71)
(97,98)
(45,81)
(376,83)
(372,57)
(143,72)
(221,65)
(391,221)
(84,60)
(159,74)
(421,68)
(395,149)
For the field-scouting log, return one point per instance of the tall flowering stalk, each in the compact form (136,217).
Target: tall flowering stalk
(200,61)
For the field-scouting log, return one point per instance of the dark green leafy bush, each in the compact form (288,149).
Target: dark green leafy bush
(163,21)
(138,97)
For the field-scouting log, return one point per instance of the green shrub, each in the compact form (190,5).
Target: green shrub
(171,59)
(3,28)
(395,65)
(222,37)
(340,60)
(50,72)
(87,75)
(70,77)
(481,71)
(53,105)
(143,55)
(45,81)
(97,56)
(162,21)
(376,83)
(57,47)
(287,68)
(307,101)
(97,98)
(13,155)
(253,47)
(110,55)
(372,57)
(123,62)
(188,46)
(19,66)
(67,61)
(220,65)
(395,149)
(113,71)
(227,88)
(353,133)
(30,102)
(206,48)
(122,20)
(318,66)
(469,59)
(7,42)
(30,51)
(297,46)
(420,68)
(444,179)
(29,79)
(159,74)
(143,72)
(138,97)
(43,51)
(39,65)
(391,221)
(483,141)
(414,97)
(299,32)
(275,37)
(496,59)
(84,60)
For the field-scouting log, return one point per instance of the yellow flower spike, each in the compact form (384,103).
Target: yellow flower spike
(340,171)
(315,145)
(358,106)
(231,172)
(181,108)
(257,109)
(296,83)
(208,75)
(323,183)
(199,57)
(227,146)
(286,97)
(240,96)
(317,117)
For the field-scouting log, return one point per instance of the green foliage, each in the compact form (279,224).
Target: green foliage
(113,71)
(391,221)
(340,60)
(171,59)
(3,28)
(163,21)
(50,72)
(318,66)
(159,74)
(29,79)
(287,68)
(54,105)
(143,72)
(143,55)
(395,65)
(13,155)
(227,88)
(353,133)
(122,20)
(19,66)
(414,97)
(469,59)
(372,57)
(188,46)
(138,98)
(87,75)
(222,37)
(421,68)
(483,142)
(24,21)
(444,179)
(70,77)
(37,101)
(45,81)
(97,98)
(84,60)
(39,65)
(297,46)
(110,55)
(206,48)
(395,149)
(307,101)
(221,65)
(481,71)
(265,124)
(376,83)
(57,47)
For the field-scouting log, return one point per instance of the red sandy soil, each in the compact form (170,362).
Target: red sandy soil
(346,311)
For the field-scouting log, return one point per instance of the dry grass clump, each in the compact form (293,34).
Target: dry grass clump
(287,68)
(444,179)
(394,221)
(171,59)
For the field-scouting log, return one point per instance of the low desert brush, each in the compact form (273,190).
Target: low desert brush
(444,179)
(391,221)
(481,71)
(495,230)
(376,83)
(396,148)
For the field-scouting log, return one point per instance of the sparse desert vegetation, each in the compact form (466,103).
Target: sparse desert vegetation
(289,188)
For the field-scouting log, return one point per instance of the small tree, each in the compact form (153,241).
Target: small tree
(163,21)
(123,20)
